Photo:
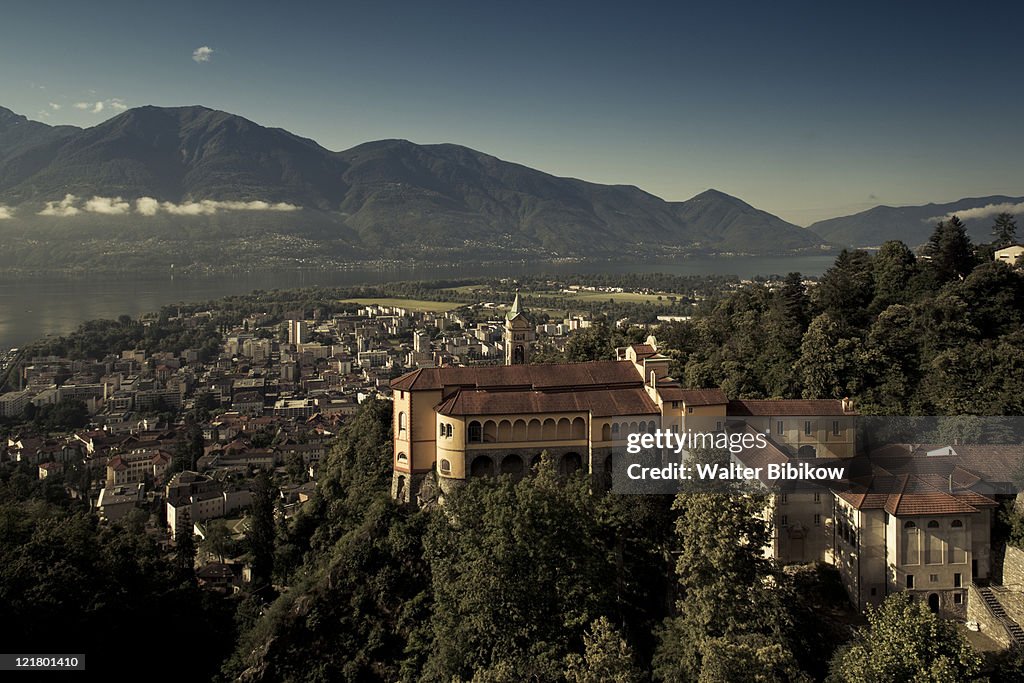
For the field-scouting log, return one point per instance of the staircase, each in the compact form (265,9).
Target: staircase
(994,607)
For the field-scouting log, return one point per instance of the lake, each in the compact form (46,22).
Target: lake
(32,308)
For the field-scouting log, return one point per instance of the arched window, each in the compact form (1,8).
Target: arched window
(401,422)
(448,431)
(475,432)
(441,433)
(402,457)
(909,525)
(933,524)
(957,524)
(446,466)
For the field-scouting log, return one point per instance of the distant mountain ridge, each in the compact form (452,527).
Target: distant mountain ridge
(378,199)
(914,224)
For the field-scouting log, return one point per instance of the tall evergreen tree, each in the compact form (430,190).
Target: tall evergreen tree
(185,550)
(262,531)
(795,303)
(893,268)
(1004,230)
(950,251)
(846,289)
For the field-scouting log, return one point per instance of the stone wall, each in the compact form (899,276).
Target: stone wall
(1013,568)
(990,626)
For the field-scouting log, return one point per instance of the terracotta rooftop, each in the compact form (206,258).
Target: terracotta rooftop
(693,397)
(915,486)
(541,377)
(597,401)
(792,408)
(643,351)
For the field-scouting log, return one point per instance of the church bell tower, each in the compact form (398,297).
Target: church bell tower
(519,335)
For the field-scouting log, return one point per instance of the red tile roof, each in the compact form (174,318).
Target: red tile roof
(792,408)
(907,486)
(597,401)
(694,397)
(643,351)
(545,376)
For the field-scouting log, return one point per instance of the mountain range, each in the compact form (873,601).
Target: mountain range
(206,174)
(157,185)
(914,224)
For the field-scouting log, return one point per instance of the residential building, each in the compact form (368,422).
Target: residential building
(1012,255)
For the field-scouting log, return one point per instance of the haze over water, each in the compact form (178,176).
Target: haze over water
(32,308)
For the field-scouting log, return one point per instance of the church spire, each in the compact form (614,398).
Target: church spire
(516,309)
(519,335)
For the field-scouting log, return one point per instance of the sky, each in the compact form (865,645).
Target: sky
(806,110)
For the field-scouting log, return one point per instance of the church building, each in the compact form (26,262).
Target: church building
(463,422)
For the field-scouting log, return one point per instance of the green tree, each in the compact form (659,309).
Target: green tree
(519,573)
(185,550)
(359,611)
(218,541)
(262,531)
(727,587)
(69,581)
(606,657)
(996,296)
(893,269)
(592,343)
(1004,230)
(845,290)
(796,304)
(754,658)
(904,641)
(828,364)
(295,467)
(891,361)
(949,252)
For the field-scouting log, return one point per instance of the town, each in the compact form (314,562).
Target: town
(175,438)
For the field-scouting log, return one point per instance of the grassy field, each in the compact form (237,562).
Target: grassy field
(411,304)
(630,297)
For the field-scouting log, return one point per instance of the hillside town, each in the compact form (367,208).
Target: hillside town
(176,439)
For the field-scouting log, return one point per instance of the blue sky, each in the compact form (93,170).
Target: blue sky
(807,110)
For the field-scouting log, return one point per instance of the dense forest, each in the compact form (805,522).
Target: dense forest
(937,334)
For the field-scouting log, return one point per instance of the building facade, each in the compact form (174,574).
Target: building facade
(464,422)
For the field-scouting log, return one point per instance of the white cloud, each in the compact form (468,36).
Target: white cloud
(980,212)
(6,212)
(65,207)
(110,206)
(202,54)
(208,207)
(147,206)
(54,106)
(91,107)
(116,104)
